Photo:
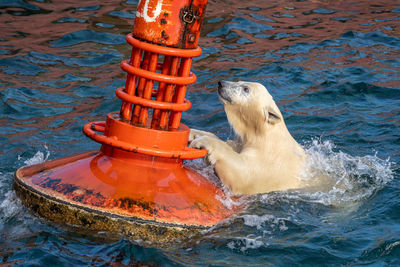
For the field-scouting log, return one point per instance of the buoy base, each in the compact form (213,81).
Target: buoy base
(157,201)
(62,212)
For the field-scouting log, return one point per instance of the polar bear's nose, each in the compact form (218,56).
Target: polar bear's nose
(221,87)
(222,84)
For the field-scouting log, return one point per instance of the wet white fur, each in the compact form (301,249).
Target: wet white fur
(265,157)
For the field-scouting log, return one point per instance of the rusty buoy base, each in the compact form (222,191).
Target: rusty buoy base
(157,200)
(157,234)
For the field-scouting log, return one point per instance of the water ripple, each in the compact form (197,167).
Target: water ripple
(88,36)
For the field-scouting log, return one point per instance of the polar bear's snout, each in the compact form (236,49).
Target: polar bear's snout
(223,92)
(233,92)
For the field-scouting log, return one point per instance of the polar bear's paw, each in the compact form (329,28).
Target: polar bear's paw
(209,143)
(203,142)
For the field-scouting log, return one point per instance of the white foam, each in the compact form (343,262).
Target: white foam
(39,157)
(251,243)
(10,207)
(261,221)
(245,243)
(9,203)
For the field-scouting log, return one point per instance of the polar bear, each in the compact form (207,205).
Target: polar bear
(265,157)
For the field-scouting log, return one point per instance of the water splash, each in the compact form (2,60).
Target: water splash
(10,207)
(343,179)
(39,157)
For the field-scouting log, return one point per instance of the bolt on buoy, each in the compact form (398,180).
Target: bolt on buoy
(137,184)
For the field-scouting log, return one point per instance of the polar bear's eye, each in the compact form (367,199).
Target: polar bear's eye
(246,89)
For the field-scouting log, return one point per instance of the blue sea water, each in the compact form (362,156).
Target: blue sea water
(332,67)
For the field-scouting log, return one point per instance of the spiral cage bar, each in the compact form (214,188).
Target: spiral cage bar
(164,68)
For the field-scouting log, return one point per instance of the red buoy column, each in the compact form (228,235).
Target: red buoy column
(137,183)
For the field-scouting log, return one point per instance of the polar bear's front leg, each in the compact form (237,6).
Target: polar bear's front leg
(228,163)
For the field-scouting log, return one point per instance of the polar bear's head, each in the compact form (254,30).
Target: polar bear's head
(249,107)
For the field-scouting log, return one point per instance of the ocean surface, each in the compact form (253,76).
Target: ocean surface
(333,68)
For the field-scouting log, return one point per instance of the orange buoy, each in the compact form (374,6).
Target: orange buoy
(137,184)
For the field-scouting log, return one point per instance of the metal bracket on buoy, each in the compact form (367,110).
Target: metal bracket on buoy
(188,15)
(137,184)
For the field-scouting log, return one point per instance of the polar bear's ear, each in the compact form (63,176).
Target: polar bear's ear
(271,115)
